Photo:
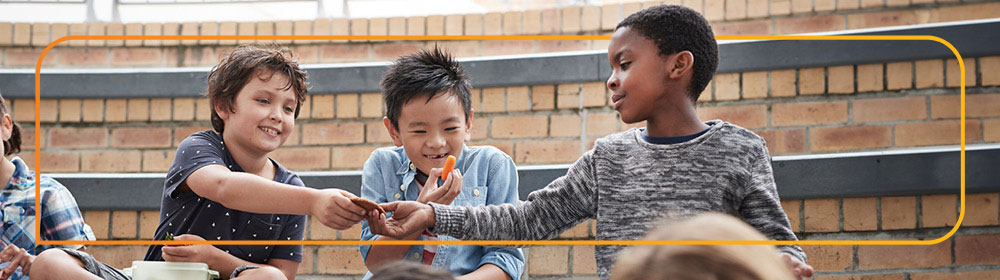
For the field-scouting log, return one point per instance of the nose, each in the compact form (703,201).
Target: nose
(435,141)
(275,113)
(613,81)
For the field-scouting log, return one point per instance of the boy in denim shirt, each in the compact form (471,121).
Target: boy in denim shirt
(429,116)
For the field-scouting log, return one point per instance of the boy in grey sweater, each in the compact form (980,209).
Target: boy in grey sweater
(662,58)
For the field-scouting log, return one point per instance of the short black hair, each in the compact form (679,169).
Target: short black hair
(677,28)
(426,72)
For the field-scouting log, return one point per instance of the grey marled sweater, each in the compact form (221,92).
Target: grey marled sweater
(629,185)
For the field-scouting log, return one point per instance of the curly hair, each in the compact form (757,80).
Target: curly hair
(424,73)
(677,28)
(235,71)
(13,145)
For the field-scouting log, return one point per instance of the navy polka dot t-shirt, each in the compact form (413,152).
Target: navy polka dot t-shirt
(184,212)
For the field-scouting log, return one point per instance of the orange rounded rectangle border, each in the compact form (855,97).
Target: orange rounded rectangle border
(38,170)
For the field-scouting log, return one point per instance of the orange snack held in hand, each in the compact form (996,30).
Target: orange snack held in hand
(449,165)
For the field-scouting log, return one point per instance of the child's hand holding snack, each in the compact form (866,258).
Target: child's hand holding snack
(446,193)
(408,217)
(188,253)
(336,210)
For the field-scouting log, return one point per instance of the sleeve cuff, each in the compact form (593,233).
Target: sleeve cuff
(448,220)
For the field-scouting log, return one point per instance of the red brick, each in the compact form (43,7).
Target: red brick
(391,51)
(568,96)
(727,86)
(547,151)
(110,161)
(479,130)
(889,109)
(550,23)
(53,161)
(860,214)
(303,158)
(416,25)
(352,233)
(351,157)
(888,18)
(548,260)
(318,231)
(181,132)
(935,133)
(308,261)
(976,274)
(755,84)
(157,161)
(507,47)
(897,3)
(965,12)
(83,56)
(543,97)
(870,77)
(808,113)
(600,124)
(453,25)
(160,109)
(954,72)
(792,210)
(980,209)
(812,81)
(565,126)
(584,261)
(784,141)
(848,4)
(825,258)
(371,105)
(889,257)
(594,94)
(938,211)
(783,83)
(118,257)
(136,56)
(376,133)
(841,79)
(945,107)
(124,224)
(518,99)
(981,105)
(977,249)
(991,130)
(78,138)
(27,57)
(492,100)
(93,110)
(138,109)
(397,26)
(930,73)
(322,106)
(339,260)
(809,24)
(148,220)
(140,137)
(848,138)
(899,212)
(989,67)
(749,116)
(347,106)
(344,53)
(581,230)
(780,7)
(506,147)
(571,19)
(335,133)
(736,9)
(590,18)
(822,215)
(899,75)
(866,276)
(512,23)
(69,110)
(562,45)
(520,126)
(28,138)
(715,10)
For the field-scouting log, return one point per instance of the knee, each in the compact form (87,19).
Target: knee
(49,261)
(262,273)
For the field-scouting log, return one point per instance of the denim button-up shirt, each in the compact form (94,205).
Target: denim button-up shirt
(488,177)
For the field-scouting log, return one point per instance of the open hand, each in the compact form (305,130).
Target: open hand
(188,253)
(798,268)
(334,209)
(408,218)
(444,194)
(18,258)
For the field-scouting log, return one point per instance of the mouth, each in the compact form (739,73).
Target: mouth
(436,156)
(269,130)
(617,100)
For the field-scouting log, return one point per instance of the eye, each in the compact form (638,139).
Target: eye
(419,131)
(451,128)
(625,65)
(263,101)
(289,109)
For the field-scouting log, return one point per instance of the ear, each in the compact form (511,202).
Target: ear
(222,112)
(393,132)
(6,127)
(680,64)
(468,125)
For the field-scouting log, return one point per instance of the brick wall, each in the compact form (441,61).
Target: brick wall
(798,111)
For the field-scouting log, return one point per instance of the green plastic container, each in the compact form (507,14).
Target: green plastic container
(144,270)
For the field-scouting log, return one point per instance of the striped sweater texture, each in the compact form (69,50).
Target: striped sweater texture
(630,186)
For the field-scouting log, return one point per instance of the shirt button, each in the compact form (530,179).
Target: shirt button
(416,256)
(402,187)
(397,196)
(475,192)
(411,166)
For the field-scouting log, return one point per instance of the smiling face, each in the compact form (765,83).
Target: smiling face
(431,130)
(263,114)
(639,78)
